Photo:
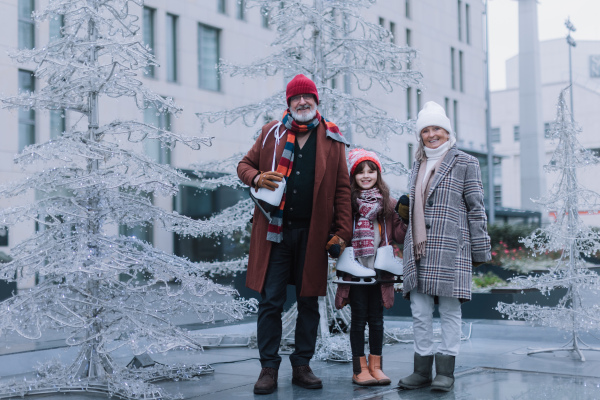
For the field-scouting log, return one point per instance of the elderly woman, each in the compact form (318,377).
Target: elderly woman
(446,235)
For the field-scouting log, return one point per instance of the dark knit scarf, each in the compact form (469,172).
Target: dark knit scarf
(286,163)
(370,204)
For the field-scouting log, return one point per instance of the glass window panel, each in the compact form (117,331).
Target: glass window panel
(26,24)
(221,6)
(241,9)
(467,23)
(460,71)
(452,71)
(208,57)
(56,25)
(57,123)
(495,132)
(153,147)
(516,134)
(26,116)
(171,43)
(148,36)
(459,20)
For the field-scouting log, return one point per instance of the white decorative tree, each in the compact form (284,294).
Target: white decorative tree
(87,182)
(331,42)
(569,236)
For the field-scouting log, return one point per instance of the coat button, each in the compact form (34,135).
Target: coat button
(299,155)
(291,209)
(430,202)
(427,226)
(295,191)
(297,172)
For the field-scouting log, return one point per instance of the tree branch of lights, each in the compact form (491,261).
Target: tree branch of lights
(88,182)
(568,235)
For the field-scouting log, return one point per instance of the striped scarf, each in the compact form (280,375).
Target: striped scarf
(286,162)
(370,204)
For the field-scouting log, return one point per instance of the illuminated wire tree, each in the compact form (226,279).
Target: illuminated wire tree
(569,236)
(92,179)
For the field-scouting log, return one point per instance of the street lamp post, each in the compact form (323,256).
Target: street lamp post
(571,42)
(488,128)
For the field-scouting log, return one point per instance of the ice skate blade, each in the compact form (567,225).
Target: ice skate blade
(355,281)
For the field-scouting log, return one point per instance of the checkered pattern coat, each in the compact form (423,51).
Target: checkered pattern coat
(456,229)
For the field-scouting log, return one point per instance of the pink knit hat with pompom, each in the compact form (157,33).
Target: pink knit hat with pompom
(356,156)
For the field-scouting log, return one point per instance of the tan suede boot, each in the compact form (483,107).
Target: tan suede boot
(375,369)
(361,375)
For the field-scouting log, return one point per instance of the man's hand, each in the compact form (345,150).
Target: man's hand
(268,180)
(335,246)
(402,208)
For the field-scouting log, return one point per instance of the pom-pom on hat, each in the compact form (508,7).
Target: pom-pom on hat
(356,156)
(432,114)
(300,85)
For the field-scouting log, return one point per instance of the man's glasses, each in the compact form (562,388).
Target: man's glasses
(306,96)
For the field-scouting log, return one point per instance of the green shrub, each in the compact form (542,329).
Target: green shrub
(509,234)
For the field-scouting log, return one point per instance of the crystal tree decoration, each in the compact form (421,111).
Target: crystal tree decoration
(328,40)
(569,236)
(88,181)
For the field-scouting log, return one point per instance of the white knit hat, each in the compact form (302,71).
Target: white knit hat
(433,114)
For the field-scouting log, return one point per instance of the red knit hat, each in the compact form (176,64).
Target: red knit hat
(300,85)
(356,156)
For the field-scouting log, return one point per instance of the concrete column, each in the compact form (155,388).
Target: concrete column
(533,179)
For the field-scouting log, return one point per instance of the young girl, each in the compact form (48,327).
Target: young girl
(373,217)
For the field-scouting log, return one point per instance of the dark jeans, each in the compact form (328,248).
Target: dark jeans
(366,305)
(286,261)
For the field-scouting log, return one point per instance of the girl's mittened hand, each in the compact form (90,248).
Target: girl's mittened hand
(402,208)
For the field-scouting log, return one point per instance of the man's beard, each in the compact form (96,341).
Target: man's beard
(304,117)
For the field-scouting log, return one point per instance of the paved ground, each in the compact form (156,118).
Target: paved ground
(493,364)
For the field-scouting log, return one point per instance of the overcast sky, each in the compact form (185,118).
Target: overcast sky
(504,28)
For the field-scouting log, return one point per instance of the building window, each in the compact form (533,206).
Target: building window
(393,32)
(57,123)
(452,70)
(241,10)
(3,236)
(26,25)
(222,6)
(516,136)
(407,8)
(409,44)
(171,47)
(264,13)
(410,155)
(547,129)
(408,103)
(381,22)
(418,100)
(208,57)
(140,232)
(498,195)
(56,25)
(460,71)
(199,203)
(447,105)
(495,133)
(153,147)
(26,116)
(148,36)
(468,23)
(455,117)
(459,19)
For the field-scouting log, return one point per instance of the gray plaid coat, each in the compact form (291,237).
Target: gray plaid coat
(456,229)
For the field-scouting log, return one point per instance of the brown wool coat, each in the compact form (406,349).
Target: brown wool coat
(331,207)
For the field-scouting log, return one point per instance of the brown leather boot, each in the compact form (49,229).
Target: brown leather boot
(304,377)
(267,381)
(375,369)
(361,375)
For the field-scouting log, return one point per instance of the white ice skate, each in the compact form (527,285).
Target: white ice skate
(386,261)
(347,266)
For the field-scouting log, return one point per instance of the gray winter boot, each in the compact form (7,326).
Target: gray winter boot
(421,377)
(444,372)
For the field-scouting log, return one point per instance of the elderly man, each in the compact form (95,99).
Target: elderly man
(291,248)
